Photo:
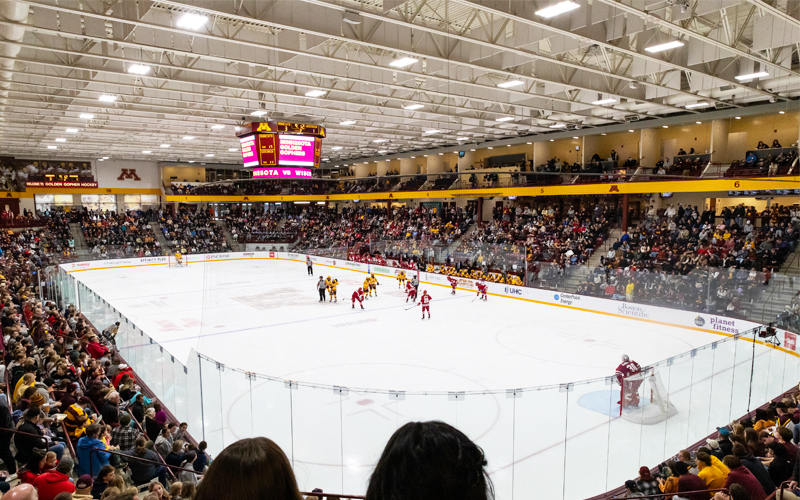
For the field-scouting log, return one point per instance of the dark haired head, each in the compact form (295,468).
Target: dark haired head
(739,450)
(250,468)
(731,461)
(778,449)
(105,471)
(430,460)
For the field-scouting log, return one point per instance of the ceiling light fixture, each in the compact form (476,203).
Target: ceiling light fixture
(510,83)
(336,148)
(258,113)
(738,117)
(779,112)
(107,98)
(604,101)
(698,123)
(574,137)
(752,76)
(433,132)
(316,93)
(138,69)
(462,138)
(664,46)
(231,150)
(188,137)
(106,157)
(504,119)
(86,116)
(52,147)
(60,139)
(217,127)
(412,107)
(702,104)
(351,17)
(191,161)
(191,21)
(348,122)
(664,126)
(382,152)
(146,152)
(558,125)
(631,130)
(380,140)
(403,62)
(165,145)
(210,155)
(72,130)
(559,8)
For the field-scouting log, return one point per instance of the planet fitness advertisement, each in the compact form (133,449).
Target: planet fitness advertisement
(295,150)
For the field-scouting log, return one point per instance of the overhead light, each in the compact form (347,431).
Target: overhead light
(528,143)
(351,17)
(231,150)
(433,131)
(508,145)
(139,69)
(99,159)
(316,93)
(382,152)
(86,116)
(107,98)
(106,157)
(191,21)
(510,83)
(413,157)
(412,107)
(165,145)
(60,139)
(75,131)
(462,138)
(697,105)
(604,101)
(574,137)
(738,117)
(603,133)
(664,46)
(752,76)
(425,156)
(52,147)
(188,137)
(632,85)
(557,9)
(191,161)
(472,150)
(302,202)
(779,112)
(552,140)
(558,125)
(210,155)
(490,147)
(441,154)
(260,112)
(348,122)
(664,126)
(336,148)
(403,62)
(217,127)
(380,140)
(631,130)
(146,152)
(504,119)
(698,123)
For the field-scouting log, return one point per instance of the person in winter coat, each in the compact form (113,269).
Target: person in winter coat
(90,462)
(739,474)
(755,467)
(56,481)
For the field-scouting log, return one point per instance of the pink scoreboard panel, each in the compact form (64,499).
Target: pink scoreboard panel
(284,150)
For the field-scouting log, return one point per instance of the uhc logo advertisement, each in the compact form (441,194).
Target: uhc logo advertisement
(513,291)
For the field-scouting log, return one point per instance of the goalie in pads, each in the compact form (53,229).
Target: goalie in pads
(629,378)
(179,259)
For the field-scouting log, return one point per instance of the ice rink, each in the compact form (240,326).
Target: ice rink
(561,441)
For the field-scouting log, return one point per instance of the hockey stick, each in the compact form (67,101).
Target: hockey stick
(473,300)
(409,308)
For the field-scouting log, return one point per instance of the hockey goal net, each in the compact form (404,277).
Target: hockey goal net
(173,262)
(645,399)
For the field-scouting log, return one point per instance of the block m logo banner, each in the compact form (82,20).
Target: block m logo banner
(128,173)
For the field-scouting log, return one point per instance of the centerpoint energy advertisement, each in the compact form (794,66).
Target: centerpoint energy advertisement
(295,150)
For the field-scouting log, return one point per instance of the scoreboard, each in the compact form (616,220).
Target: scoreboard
(282,144)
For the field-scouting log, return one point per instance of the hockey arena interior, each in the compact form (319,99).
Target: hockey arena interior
(400,249)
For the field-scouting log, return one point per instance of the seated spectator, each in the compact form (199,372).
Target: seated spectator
(124,436)
(187,474)
(755,466)
(711,475)
(202,459)
(83,488)
(690,482)
(176,456)
(646,484)
(761,145)
(776,144)
(105,479)
(438,460)
(142,471)
(741,475)
(262,467)
(91,451)
(51,483)
(778,463)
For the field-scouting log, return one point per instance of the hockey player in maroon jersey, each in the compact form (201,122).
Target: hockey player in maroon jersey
(358,295)
(411,292)
(425,302)
(482,289)
(629,388)
(453,283)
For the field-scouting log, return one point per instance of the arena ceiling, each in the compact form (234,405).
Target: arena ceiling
(121,78)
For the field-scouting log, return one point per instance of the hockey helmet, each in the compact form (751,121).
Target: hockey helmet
(625,358)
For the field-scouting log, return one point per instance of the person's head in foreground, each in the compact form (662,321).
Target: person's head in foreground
(430,460)
(250,468)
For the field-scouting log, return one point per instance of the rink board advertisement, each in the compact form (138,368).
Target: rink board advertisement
(686,319)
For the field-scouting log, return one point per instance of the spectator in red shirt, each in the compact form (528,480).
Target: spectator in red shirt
(96,349)
(56,481)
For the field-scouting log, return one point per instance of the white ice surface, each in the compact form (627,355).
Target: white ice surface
(265,317)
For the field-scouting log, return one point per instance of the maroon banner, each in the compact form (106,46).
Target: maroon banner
(60,184)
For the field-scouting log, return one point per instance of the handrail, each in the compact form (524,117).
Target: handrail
(128,457)
(331,495)
(69,440)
